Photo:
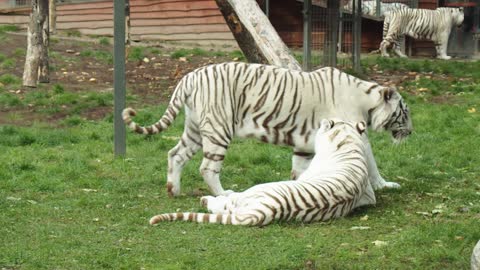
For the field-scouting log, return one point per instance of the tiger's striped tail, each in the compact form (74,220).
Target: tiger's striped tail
(194,217)
(165,121)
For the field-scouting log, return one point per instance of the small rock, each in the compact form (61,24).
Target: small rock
(146,60)
(92,80)
(182,59)
(70,51)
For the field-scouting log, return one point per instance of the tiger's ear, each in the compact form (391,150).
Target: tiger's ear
(361,127)
(387,93)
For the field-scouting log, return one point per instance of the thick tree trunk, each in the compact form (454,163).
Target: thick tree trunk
(35,57)
(255,35)
(34,39)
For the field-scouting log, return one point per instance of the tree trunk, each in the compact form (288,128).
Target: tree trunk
(44,76)
(52,18)
(34,39)
(255,35)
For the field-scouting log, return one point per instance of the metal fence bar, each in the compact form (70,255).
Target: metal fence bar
(331,38)
(119,76)
(307,34)
(357,35)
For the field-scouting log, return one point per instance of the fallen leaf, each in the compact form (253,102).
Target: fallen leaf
(379,243)
(182,59)
(422,89)
(472,110)
(354,228)
(424,214)
(146,60)
(364,218)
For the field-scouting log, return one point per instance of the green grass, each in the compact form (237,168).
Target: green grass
(8,28)
(104,41)
(136,54)
(67,203)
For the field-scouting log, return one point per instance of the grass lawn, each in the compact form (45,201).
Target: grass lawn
(67,203)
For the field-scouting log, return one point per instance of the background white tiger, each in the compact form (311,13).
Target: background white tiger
(273,104)
(434,25)
(335,183)
(370,7)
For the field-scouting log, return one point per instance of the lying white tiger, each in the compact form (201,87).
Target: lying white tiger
(335,183)
(434,25)
(370,7)
(276,105)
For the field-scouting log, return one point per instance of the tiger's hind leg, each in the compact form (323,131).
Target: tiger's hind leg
(300,162)
(189,144)
(213,156)
(397,46)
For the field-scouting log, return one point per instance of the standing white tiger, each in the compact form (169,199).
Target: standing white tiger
(335,183)
(275,105)
(434,25)
(370,7)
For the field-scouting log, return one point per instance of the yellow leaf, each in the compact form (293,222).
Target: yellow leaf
(472,110)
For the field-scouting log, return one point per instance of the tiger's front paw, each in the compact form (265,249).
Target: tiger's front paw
(172,190)
(385,184)
(444,57)
(391,185)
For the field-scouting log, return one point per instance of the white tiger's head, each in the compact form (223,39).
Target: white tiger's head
(335,133)
(456,14)
(391,113)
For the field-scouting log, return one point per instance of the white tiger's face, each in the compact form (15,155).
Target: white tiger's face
(392,114)
(458,16)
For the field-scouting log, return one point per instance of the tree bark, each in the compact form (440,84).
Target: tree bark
(255,35)
(34,39)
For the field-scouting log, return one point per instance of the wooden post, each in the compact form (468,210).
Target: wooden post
(331,37)
(35,42)
(52,16)
(119,81)
(357,35)
(255,35)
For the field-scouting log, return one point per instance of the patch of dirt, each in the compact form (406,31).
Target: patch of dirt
(75,67)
